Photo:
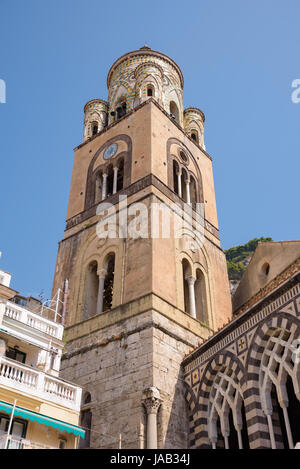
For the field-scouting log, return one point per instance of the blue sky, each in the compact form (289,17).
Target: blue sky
(238,59)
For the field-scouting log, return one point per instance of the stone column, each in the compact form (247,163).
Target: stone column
(115,179)
(101,274)
(192,303)
(152,402)
(179,183)
(104,185)
(188,195)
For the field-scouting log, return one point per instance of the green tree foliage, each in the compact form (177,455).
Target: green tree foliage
(238,256)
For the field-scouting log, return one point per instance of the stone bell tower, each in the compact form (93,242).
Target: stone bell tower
(141,298)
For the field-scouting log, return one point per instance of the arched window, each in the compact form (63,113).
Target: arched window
(175,177)
(94,128)
(150,90)
(86,398)
(279,388)
(91,291)
(110,180)
(86,421)
(186,273)
(174,111)
(98,188)
(121,109)
(194,136)
(108,290)
(120,176)
(184,179)
(193,190)
(200,297)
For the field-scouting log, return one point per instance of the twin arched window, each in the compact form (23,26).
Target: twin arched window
(184,184)
(109,180)
(99,287)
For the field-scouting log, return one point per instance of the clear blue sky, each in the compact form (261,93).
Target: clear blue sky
(238,59)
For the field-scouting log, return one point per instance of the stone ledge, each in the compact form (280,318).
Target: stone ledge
(150,302)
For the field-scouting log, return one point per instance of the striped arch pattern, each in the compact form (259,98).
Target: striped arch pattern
(258,429)
(199,405)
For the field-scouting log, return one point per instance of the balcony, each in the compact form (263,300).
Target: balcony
(26,379)
(13,442)
(33,320)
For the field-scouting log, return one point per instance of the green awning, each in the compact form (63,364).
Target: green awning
(35,417)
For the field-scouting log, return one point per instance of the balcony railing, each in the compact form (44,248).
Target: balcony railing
(33,320)
(13,442)
(37,383)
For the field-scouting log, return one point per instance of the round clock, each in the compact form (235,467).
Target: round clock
(110,151)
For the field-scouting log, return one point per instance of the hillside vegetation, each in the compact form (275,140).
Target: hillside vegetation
(238,257)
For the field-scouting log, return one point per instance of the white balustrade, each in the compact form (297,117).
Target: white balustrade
(13,442)
(38,383)
(33,320)
(12,313)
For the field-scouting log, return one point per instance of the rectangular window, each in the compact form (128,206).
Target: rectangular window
(17,432)
(15,354)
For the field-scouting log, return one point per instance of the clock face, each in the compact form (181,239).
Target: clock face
(110,151)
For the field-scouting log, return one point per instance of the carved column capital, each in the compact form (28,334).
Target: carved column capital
(152,400)
(101,273)
(190,280)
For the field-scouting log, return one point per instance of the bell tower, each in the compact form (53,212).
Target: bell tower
(147,279)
